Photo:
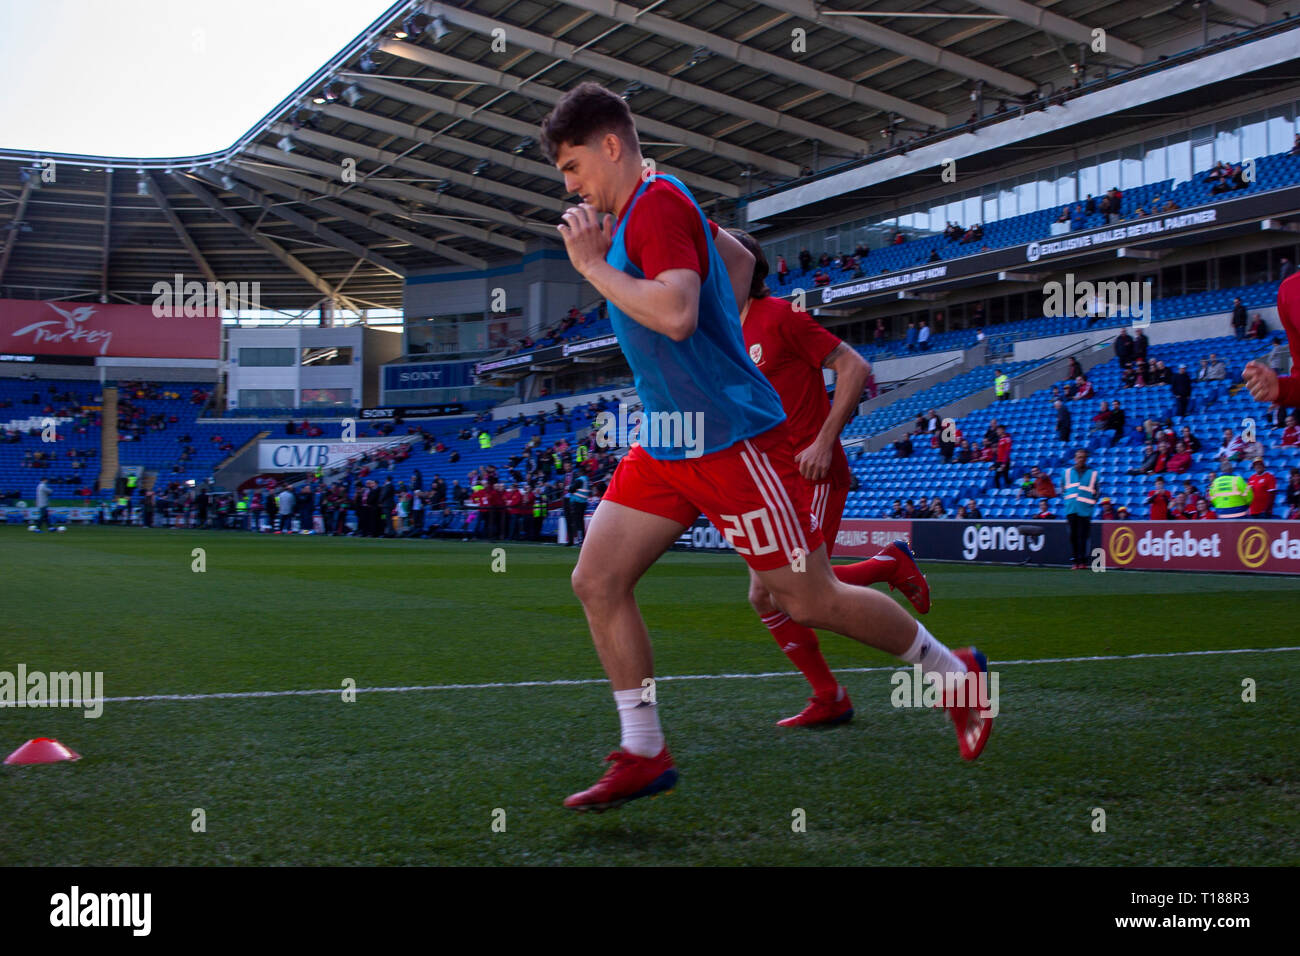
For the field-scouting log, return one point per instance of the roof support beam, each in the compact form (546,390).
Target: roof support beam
(108,228)
(179,228)
(549,95)
(469,181)
(791,70)
(447,205)
(306,224)
(15,225)
(383,124)
(307,275)
(1248,10)
(711,99)
(281,186)
(1059,26)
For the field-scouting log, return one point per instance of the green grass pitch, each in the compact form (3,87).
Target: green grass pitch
(1186,772)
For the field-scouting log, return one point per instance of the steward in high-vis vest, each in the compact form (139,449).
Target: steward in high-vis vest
(241,508)
(484,440)
(1231,496)
(1080,491)
(1002,385)
(581,454)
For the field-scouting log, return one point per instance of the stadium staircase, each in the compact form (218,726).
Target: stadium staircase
(108,458)
(240,465)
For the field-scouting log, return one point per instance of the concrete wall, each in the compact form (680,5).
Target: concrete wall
(1210,326)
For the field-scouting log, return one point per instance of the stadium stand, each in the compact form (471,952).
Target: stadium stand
(1031,421)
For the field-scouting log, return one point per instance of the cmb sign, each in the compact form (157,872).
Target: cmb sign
(309,455)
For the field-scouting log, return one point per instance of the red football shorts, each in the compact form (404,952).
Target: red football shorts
(752,492)
(828,509)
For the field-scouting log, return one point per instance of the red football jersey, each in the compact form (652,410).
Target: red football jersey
(789,346)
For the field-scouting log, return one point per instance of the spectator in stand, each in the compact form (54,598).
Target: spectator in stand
(1264,488)
(1106,510)
(1239,318)
(923,336)
(1285,268)
(898,509)
(1115,422)
(1042,486)
(1203,510)
(1181,460)
(936,509)
(1158,501)
(1181,384)
(1123,347)
(782,270)
(1215,370)
(910,340)
(1102,419)
(1291,434)
(970,510)
(1082,388)
(1258,327)
(903,447)
(1002,459)
(1292,494)
(1063,421)
(1141,346)
(1230,446)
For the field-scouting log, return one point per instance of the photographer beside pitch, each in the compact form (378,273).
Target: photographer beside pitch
(672,298)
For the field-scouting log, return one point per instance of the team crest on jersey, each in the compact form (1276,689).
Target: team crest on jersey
(756,353)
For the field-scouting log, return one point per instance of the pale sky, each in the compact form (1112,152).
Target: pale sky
(159,78)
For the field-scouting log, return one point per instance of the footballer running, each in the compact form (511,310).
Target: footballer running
(643,243)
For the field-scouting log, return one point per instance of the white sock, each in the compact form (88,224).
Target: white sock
(642,734)
(932,655)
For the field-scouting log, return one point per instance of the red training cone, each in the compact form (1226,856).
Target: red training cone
(41,750)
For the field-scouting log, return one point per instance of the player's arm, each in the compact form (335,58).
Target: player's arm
(738,260)
(669,303)
(851,371)
(1266,385)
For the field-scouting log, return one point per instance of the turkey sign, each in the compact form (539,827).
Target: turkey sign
(29,327)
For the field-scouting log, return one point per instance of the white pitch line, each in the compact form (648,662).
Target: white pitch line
(241,695)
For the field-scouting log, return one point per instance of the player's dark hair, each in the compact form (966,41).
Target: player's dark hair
(586,112)
(758,285)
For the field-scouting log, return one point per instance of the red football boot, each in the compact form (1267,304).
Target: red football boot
(822,711)
(973,728)
(906,576)
(628,778)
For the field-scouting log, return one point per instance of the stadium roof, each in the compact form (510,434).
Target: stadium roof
(435,109)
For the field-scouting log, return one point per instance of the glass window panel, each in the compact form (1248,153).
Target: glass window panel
(1108,170)
(1202,156)
(1089,180)
(1027,197)
(266,397)
(327,396)
(321,357)
(1254,135)
(1153,163)
(971,209)
(1227,144)
(990,208)
(1047,193)
(1178,161)
(1065,188)
(1279,129)
(1007,202)
(268,357)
